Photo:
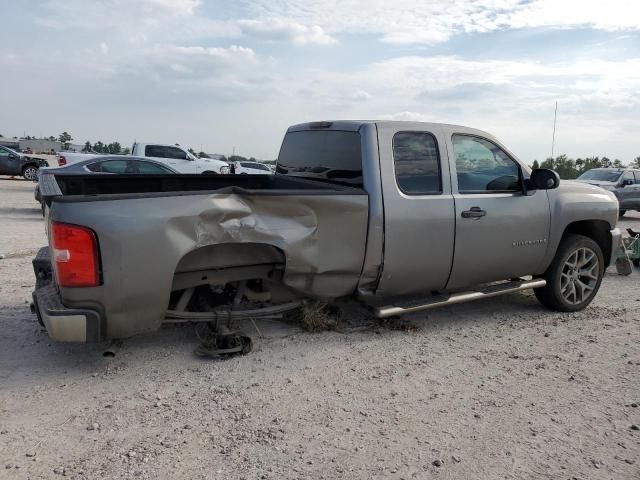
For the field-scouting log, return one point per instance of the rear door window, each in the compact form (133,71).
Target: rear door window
(417,164)
(326,155)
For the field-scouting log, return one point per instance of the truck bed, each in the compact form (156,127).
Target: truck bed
(154,230)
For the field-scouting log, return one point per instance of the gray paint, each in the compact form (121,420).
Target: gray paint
(419,229)
(381,244)
(142,242)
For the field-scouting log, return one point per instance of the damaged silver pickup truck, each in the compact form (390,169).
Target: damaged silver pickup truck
(402,216)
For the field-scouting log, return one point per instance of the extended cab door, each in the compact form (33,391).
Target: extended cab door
(419,217)
(501,232)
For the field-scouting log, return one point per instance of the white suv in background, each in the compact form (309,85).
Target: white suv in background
(250,168)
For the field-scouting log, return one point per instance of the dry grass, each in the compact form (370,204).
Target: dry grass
(317,317)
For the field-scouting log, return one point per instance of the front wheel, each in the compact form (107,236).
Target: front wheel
(574,276)
(30,172)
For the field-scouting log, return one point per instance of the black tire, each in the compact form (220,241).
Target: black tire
(636,262)
(551,295)
(621,213)
(30,172)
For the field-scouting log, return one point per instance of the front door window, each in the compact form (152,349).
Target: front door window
(482,166)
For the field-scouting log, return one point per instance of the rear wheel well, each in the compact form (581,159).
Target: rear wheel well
(597,230)
(254,268)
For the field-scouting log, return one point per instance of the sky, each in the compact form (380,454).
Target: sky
(224,76)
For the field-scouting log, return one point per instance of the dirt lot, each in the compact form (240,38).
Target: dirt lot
(494,389)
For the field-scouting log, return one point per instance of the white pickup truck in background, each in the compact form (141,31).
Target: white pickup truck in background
(173,155)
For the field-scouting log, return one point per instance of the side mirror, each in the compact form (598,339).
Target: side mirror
(543,179)
(12,156)
(626,182)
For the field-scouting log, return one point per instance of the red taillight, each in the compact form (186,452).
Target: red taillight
(62,161)
(75,253)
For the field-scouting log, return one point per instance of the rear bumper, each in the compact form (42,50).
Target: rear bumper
(63,324)
(616,242)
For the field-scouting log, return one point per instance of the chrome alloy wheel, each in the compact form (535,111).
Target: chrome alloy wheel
(579,275)
(30,173)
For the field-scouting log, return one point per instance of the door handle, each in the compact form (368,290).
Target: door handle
(475,212)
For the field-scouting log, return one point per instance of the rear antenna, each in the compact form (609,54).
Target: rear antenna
(553,138)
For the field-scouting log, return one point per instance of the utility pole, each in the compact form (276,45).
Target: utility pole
(553,139)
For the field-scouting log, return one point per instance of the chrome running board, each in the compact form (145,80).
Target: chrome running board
(402,308)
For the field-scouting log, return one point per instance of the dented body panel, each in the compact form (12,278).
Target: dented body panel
(143,241)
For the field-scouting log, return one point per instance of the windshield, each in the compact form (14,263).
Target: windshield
(601,175)
(10,150)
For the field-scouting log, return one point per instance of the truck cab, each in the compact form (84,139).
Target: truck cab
(403,216)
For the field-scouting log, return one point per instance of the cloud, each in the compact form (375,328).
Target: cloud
(220,60)
(279,29)
(430,22)
(611,15)
(406,116)
(194,70)
(230,54)
(360,96)
(113,14)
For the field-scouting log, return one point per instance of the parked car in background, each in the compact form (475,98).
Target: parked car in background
(114,164)
(623,182)
(14,163)
(175,156)
(250,168)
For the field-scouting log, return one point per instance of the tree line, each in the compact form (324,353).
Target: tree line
(569,168)
(113,148)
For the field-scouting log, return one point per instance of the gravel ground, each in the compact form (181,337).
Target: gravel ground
(499,388)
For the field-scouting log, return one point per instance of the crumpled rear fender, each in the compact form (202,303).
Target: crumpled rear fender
(143,241)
